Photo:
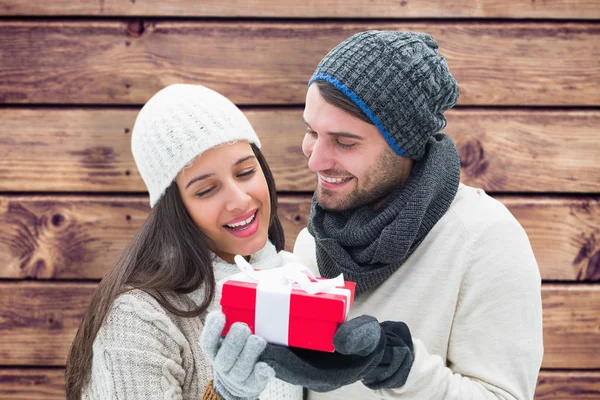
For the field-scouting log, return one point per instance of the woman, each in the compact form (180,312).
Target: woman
(212,197)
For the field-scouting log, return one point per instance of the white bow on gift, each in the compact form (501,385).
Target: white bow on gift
(273,294)
(288,274)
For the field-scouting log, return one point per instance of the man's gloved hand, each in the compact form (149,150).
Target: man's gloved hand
(238,375)
(363,352)
(392,371)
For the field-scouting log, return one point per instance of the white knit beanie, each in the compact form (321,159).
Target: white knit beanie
(176,125)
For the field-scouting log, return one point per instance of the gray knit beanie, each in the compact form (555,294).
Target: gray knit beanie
(398,80)
(176,125)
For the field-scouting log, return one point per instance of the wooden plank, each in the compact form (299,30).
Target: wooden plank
(527,151)
(48,384)
(90,149)
(39,321)
(557,9)
(501,150)
(32,384)
(566,385)
(73,237)
(563,233)
(571,320)
(80,237)
(120,62)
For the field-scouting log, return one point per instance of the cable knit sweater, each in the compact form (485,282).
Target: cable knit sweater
(144,352)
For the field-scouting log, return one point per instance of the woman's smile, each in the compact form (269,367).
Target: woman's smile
(244,226)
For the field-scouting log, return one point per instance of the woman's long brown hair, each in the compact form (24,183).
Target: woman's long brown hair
(169,254)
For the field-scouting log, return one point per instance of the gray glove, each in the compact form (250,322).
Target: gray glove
(238,375)
(379,355)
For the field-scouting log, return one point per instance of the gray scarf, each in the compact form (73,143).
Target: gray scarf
(369,245)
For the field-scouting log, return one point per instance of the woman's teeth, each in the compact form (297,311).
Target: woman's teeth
(335,180)
(242,224)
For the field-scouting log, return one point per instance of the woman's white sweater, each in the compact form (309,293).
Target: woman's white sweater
(144,352)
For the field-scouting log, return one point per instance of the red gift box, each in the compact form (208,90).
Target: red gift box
(313,318)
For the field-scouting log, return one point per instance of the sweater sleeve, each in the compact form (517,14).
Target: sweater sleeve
(138,353)
(495,348)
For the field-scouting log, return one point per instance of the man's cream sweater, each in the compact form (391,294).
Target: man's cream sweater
(470,294)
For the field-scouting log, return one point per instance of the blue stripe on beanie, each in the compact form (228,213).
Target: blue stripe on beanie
(360,104)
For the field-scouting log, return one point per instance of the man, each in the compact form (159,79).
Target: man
(449,265)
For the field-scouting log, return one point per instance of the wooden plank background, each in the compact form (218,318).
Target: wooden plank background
(124,62)
(73,76)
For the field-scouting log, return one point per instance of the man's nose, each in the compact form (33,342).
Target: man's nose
(319,156)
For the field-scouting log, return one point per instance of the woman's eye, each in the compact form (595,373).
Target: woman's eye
(203,192)
(247,173)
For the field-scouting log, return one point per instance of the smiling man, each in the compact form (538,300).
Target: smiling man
(448,264)
(352,158)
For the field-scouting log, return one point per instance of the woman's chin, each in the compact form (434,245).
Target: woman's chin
(254,245)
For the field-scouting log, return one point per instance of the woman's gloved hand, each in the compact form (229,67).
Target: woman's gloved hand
(238,374)
(363,353)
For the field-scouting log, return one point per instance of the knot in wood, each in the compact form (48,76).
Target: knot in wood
(471,153)
(135,28)
(57,220)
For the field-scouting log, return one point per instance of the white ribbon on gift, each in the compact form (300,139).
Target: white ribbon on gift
(273,294)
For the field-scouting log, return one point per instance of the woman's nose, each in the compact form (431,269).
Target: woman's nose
(237,198)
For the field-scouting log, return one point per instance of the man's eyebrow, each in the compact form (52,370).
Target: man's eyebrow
(201,177)
(338,134)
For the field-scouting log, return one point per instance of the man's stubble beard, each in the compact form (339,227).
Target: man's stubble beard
(378,182)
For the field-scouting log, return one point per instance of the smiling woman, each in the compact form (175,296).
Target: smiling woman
(212,196)
(227,197)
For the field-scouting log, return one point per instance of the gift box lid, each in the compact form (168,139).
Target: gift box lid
(330,306)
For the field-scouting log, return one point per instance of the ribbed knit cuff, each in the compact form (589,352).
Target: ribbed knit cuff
(209,393)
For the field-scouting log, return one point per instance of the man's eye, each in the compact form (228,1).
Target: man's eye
(344,145)
(310,132)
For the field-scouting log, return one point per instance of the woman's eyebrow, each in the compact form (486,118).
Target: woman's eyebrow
(198,178)
(201,177)
(241,160)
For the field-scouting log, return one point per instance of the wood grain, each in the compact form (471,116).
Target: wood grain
(88,149)
(527,151)
(38,321)
(121,62)
(75,237)
(32,384)
(555,9)
(80,237)
(564,229)
(571,321)
(566,385)
(47,384)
